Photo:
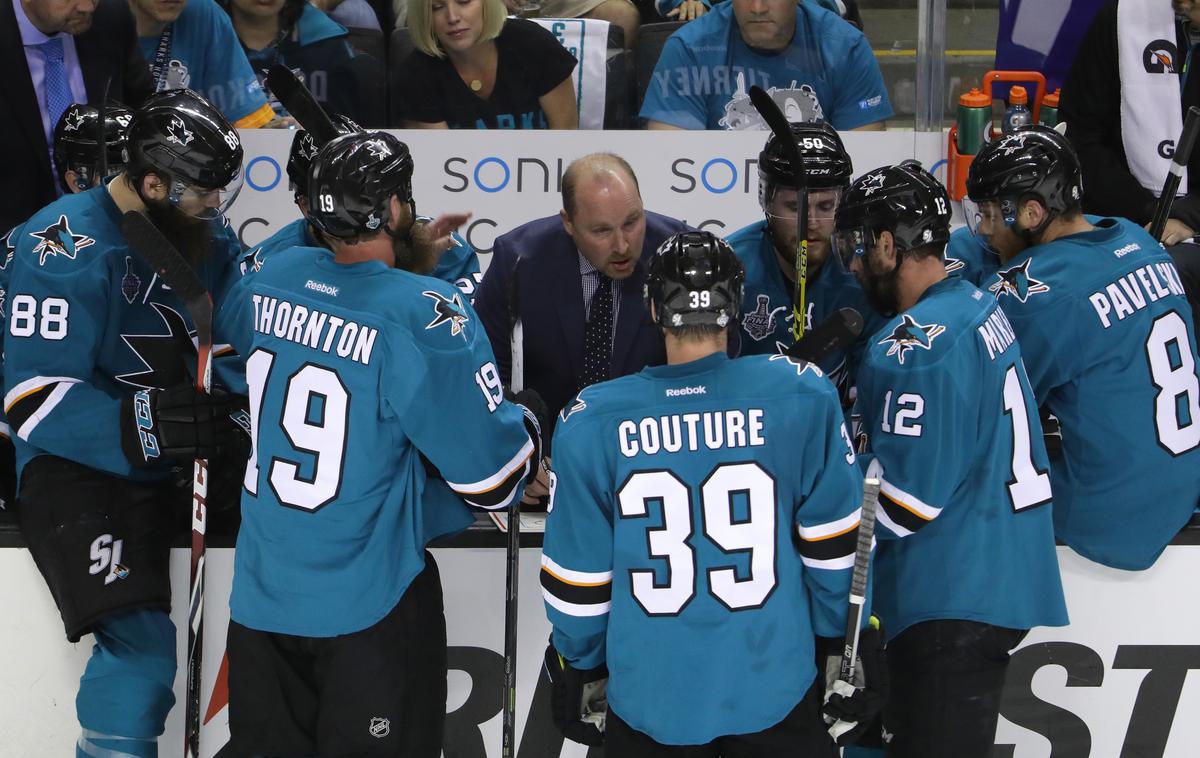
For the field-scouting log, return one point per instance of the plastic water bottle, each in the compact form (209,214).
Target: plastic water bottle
(1018,113)
(974,121)
(1049,115)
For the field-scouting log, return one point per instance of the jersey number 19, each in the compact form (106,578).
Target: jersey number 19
(316,411)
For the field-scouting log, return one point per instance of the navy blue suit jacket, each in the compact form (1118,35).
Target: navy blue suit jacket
(551,308)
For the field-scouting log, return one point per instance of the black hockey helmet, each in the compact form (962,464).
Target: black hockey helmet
(304,149)
(181,135)
(905,200)
(77,147)
(1034,161)
(824,159)
(351,180)
(694,278)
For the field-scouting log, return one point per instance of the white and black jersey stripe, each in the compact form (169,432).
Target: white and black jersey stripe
(830,545)
(576,593)
(33,399)
(497,491)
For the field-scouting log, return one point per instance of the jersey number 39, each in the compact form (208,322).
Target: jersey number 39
(754,534)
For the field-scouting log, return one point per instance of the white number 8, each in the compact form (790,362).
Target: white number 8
(231,139)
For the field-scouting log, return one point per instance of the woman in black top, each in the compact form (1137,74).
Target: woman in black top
(475,69)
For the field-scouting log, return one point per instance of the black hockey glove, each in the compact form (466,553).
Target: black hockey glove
(578,699)
(537,414)
(851,709)
(227,471)
(174,425)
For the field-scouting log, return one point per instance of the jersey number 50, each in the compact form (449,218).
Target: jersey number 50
(673,541)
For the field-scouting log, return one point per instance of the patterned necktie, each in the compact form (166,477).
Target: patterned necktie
(597,339)
(56,86)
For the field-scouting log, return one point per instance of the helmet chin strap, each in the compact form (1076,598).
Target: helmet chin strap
(1032,236)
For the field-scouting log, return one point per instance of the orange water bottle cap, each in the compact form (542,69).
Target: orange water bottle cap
(1051,100)
(974,99)
(1018,96)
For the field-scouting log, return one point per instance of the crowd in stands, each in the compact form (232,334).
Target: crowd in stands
(477,63)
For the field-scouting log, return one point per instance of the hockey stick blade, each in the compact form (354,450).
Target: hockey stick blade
(833,335)
(776,122)
(160,255)
(295,97)
(1183,154)
(858,580)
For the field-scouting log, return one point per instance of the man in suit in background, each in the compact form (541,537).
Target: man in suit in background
(579,285)
(54,53)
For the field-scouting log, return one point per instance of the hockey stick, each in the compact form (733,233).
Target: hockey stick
(1183,153)
(295,97)
(516,383)
(836,333)
(778,125)
(157,252)
(858,580)
(101,147)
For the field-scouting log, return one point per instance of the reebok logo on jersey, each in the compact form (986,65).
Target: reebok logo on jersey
(58,239)
(685,391)
(908,334)
(1121,252)
(322,287)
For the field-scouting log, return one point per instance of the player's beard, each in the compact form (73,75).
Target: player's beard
(191,236)
(415,252)
(880,289)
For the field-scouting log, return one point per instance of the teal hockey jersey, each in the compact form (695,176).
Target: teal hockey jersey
(88,323)
(1107,335)
(766,319)
(964,520)
(678,499)
(967,257)
(354,372)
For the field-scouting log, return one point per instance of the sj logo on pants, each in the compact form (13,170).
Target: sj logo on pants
(106,554)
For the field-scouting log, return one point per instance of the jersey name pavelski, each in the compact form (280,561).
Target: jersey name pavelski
(314,329)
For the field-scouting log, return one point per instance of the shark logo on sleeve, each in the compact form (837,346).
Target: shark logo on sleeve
(909,334)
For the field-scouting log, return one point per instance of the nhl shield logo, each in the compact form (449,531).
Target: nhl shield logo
(760,322)
(380,727)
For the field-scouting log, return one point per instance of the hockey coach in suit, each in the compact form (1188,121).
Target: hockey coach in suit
(73,48)
(579,285)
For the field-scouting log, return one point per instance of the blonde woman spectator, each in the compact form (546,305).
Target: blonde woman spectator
(473,68)
(623,13)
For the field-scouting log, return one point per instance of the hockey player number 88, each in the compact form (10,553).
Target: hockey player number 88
(25,320)
(315,413)
(755,534)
